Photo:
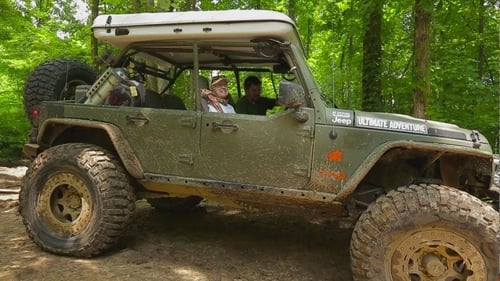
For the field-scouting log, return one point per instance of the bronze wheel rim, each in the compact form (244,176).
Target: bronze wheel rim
(64,204)
(437,255)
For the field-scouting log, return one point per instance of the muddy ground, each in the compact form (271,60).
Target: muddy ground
(210,243)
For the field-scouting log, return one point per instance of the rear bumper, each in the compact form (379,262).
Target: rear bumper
(31,150)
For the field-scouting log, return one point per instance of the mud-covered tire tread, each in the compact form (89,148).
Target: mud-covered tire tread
(113,187)
(174,204)
(48,79)
(441,201)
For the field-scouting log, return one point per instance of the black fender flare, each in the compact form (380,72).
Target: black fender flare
(47,135)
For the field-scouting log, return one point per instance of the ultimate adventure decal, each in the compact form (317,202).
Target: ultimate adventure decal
(392,125)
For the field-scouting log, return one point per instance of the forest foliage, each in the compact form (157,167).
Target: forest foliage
(462,72)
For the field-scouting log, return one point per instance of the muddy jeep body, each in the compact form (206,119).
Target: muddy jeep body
(306,157)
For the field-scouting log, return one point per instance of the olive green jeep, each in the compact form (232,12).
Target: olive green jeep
(419,193)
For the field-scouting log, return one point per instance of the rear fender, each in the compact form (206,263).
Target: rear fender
(55,131)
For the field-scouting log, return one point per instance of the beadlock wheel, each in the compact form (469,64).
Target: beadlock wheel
(435,254)
(426,233)
(76,199)
(65,204)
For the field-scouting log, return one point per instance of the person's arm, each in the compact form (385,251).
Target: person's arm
(240,107)
(270,103)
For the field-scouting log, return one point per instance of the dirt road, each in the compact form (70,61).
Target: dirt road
(211,243)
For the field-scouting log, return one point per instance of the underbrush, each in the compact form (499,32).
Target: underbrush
(14,127)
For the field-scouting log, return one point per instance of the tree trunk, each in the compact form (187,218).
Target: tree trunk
(258,5)
(480,46)
(291,9)
(421,51)
(93,41)
(190,5)
(350,56)
(372,57)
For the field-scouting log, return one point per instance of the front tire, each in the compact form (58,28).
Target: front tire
(76,200)
(426,232)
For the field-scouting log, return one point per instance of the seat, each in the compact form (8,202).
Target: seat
(173,102)
(167,101)
(153,99)
(203,84)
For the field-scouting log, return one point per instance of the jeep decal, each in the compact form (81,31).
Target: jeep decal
(342,117)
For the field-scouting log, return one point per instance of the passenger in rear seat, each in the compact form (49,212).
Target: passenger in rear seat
(217,97)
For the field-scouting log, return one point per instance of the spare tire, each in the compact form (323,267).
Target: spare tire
(55,80)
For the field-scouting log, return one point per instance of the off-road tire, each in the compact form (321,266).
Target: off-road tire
(76,199)
(174,204)
(426,232)
(55,80)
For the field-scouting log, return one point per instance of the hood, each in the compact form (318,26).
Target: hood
(402,123)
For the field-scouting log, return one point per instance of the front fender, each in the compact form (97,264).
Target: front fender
(436,150)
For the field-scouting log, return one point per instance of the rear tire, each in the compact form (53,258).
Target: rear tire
(76,200)
(426,232)
(55,80)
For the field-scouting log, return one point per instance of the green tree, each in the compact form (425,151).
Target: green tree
(364,54)
(465,66)
(14,126)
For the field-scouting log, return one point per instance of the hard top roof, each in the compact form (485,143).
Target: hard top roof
(167,18)
(121,30)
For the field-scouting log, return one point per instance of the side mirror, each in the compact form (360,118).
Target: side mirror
(291,95)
